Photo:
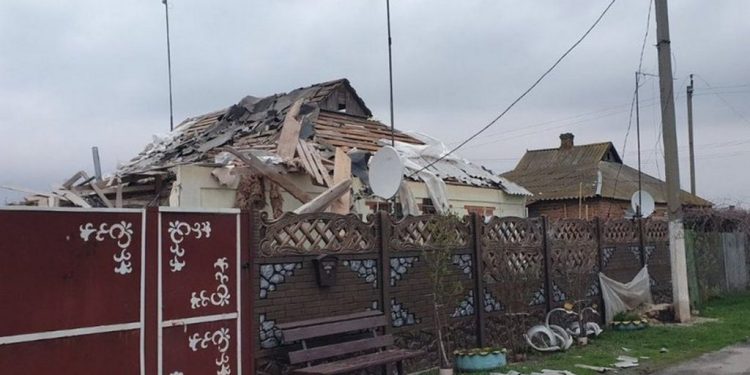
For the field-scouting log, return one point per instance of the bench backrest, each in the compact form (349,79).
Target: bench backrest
(335,325)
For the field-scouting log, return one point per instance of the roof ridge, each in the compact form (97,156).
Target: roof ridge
(574,146)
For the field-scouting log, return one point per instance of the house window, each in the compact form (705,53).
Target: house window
(480,210)
(427,207)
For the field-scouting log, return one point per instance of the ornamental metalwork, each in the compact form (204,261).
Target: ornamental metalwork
(178,230)
(220,297)
(219,339)
(121,233)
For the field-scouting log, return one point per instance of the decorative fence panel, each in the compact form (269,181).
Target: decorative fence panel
(285,276)
(621,249)
(511,272)
(122,292)
(411,242)
(514,291)
(656,254)
(573,254)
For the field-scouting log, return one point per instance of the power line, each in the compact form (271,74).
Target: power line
(633,102)
(738,113)
(551,68)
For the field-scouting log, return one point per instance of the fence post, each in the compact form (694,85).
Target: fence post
(547,264)
(476,224)
(383,226)
(599,260)
(641,244)
(248,236)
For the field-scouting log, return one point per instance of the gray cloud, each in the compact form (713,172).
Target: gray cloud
(74,75)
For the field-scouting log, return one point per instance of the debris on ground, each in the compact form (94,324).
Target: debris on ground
(663,350)
(544,372)
(625,361)
(594,368)
(556,372)
(625,349)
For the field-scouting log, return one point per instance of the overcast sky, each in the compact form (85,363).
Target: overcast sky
(88,73)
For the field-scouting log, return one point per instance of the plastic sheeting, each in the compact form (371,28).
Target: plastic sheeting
(625,296)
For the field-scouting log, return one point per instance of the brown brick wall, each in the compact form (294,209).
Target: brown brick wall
(590,208)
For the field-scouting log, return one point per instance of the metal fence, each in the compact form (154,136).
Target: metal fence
(123,292)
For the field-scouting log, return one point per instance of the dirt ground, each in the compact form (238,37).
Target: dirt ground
(730,361)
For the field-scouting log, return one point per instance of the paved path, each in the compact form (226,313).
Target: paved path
(728,361)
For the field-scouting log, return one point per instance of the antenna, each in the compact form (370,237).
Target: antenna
(390,67)
(638,135)
(169,67)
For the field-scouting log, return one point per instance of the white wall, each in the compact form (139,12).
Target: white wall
(196,187)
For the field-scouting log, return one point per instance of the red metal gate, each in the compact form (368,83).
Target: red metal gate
(123,292)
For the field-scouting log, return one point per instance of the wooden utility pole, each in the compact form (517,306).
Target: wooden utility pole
(690,134)
(680,297)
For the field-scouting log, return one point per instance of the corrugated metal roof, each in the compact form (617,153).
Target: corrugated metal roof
(452,168)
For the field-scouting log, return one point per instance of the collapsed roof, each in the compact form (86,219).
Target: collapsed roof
(331,114)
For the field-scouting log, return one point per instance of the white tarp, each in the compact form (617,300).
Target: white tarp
(625,296)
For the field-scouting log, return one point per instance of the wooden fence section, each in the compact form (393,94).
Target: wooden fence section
(512,271)
(124,292)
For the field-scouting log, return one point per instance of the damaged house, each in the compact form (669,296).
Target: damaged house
(586,181)
(303,151)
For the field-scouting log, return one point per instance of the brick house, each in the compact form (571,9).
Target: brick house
(586,181)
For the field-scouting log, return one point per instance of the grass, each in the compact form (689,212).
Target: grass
(682,342)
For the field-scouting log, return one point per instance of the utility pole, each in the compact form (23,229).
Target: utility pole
(690,134)
(680,297)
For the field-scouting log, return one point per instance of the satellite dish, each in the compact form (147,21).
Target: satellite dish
(386,172)
(643,197)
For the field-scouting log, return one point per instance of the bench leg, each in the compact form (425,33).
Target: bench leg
(400,368)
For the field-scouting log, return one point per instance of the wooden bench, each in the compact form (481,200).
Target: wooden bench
(353,337)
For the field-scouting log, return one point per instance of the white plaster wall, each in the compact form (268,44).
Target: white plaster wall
(460,196)
(196,187)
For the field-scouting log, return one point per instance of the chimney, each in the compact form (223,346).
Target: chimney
(566,141)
